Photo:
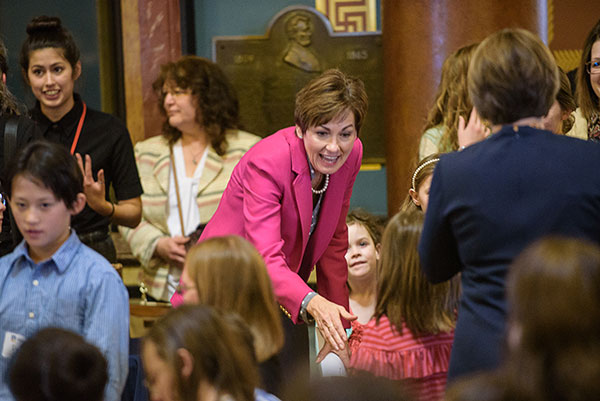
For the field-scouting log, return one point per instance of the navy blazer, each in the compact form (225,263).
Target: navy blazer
(486,204)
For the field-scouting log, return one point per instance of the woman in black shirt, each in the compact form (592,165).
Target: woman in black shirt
(50,64)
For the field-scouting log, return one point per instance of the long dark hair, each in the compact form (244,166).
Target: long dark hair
(8,103)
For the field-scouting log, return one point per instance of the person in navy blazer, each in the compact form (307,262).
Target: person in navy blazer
(490,200)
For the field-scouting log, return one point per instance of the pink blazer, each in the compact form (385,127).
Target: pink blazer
(268,201)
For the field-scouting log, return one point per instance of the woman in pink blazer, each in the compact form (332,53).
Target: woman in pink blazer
(289,196)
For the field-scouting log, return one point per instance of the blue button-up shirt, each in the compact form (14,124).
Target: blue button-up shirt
(76,289)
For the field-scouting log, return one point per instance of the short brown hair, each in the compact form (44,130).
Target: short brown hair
(217,107)
(221,357)
(587,98)
(403,292)
(231,275)
(57,364)
(328,96)
(512,76)
(370,222)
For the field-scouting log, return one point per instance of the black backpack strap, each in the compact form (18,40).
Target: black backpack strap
(10,139)
(10,148)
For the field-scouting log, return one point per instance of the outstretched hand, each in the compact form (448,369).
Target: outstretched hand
(343,354)
(95,191)
(474,131)
(328,318)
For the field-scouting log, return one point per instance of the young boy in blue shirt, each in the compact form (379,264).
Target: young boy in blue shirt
(51,279)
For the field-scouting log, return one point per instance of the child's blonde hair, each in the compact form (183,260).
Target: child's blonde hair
(231,276)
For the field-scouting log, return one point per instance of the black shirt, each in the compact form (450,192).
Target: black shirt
(107,141)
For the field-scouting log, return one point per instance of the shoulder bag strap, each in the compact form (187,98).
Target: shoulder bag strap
(10,148)
(10,139)
(177,189)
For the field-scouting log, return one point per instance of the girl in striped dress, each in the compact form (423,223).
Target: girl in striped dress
(410,336)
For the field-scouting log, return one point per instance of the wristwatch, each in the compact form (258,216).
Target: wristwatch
(304,315)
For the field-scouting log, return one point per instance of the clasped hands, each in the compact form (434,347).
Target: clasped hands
(172,249)
(328,317)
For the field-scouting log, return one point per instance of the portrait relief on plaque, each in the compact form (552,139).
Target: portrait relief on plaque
(299,31)
(299,44)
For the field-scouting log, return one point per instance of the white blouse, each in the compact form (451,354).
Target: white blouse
(188,190)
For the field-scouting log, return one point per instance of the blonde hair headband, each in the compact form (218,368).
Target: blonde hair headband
(421,167)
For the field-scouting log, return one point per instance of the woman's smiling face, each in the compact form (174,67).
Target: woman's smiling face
(52,78)
(595,78)
(329,145)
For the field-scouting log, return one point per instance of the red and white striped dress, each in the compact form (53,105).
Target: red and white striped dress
(420,362)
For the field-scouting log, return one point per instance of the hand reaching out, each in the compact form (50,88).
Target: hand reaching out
(344,354)
(328,317)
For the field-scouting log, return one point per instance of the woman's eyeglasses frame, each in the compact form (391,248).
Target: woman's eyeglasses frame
(593,67)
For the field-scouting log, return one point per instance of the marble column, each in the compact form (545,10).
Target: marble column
(417,37)
(151,37)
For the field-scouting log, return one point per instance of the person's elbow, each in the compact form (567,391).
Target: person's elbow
(136,218)
(132,212)
(435,270)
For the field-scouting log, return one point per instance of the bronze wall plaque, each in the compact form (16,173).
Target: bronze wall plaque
(299,44)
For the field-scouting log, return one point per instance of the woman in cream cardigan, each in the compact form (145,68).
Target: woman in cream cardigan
(200,136)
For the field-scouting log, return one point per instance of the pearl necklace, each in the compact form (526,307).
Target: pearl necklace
(320,191)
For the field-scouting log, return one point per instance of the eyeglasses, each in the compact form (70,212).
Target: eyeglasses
(174,91)
(593,67)
(3,198)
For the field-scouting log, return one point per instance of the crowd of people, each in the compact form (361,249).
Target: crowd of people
(485,284)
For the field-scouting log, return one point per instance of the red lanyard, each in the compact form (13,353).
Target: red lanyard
(79,126)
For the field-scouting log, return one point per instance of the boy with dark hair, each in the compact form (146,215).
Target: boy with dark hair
(51,278)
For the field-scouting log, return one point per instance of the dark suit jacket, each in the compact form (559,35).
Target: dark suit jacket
(489,202)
